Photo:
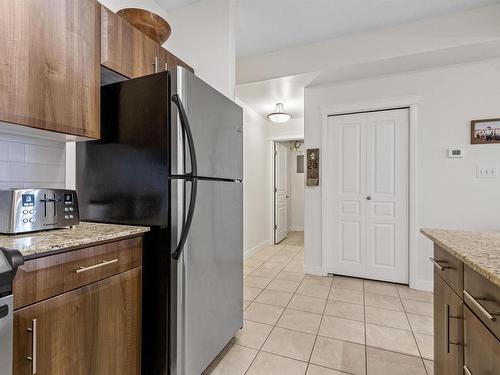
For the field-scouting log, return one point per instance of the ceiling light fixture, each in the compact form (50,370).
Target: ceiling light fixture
(279,115)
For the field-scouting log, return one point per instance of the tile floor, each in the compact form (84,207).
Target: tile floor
(299,324)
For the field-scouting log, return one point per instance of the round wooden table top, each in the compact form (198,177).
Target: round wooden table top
(149,23)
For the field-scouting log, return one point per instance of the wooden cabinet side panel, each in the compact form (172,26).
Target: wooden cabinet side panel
(49,65)
(95,329)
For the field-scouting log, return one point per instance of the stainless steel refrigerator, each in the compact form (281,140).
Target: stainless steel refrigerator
(171,157)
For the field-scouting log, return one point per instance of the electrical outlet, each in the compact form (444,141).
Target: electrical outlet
(486,172)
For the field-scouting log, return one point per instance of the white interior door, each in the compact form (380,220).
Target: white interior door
(367,195)
(280,192)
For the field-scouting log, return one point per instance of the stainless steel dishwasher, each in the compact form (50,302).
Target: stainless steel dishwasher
(9,261)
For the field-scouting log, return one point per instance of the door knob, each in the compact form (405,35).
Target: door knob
(368,198)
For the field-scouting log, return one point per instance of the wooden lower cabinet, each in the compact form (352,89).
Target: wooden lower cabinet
(92,330)
(448,329)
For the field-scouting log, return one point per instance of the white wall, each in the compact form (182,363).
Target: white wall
(295,189)
(151,5)
(256,180)
(203,36)
(449,194)
(293,129)
(29,163)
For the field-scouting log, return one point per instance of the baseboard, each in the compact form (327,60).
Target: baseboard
(295,229)
(426,285)
(249,252)
(313,270)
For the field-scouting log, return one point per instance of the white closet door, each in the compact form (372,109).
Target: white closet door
(387,186)
(367,195)
(347,174)
(280,193)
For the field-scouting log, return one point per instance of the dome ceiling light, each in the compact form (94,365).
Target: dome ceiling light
(279,115)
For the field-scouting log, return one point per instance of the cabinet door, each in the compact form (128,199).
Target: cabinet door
(482,349)
(125,49)
(448,331)
(49,65)
(168,60)
(91,330)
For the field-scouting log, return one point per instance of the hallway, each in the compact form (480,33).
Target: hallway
(299,324)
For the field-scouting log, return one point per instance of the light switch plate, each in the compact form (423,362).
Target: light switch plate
(455,153)
(486,172)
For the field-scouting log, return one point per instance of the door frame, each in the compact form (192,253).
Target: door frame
(272,141)
(343,108)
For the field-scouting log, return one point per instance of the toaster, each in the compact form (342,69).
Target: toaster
(30,210)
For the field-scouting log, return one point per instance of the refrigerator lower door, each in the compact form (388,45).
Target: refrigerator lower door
(209,277)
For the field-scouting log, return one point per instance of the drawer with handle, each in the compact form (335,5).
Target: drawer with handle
(483,298)
(46,277)
(449,268)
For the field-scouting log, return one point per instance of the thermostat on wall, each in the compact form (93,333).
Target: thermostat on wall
(455,153)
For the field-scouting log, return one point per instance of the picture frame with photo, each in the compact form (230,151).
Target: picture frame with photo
(485,131)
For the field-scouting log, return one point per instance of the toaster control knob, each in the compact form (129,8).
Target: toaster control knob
(71,216)
(71,208)
(25,221)
(25,212)
(66,209)
(32,220)
(66,217)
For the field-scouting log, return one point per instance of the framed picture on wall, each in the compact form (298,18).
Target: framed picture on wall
(485,131)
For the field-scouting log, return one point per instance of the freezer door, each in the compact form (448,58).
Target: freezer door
(209,277)
(216,124)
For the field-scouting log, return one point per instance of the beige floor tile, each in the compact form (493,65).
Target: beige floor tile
(346,295)
(232,361)
(300,321)
(247,270)
(323,281)
(425,344)
(413,294)
(339,355)
(270,265)
(393,339)
(388,318)
(249,293)
(383,302)
(246,304)
(283,257)
(261,313)
(256,282)
(250,262)
(264,272)
(309,304)
(318,370)
(429,366)
(343,329)
(283,285)
(421,324)
(291,276)
(345,310)
(289,343)
(267,364)
(313,288)
(382,362)
(274,297)
(417,307)
(342,282)
(253,334)
(293,267)
(378,287)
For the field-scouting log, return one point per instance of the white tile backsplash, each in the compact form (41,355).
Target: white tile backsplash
(29,162)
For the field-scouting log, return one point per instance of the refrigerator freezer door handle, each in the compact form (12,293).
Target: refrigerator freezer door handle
(187,129)
(189,218)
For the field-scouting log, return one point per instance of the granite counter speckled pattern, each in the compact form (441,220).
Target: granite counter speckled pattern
(479,250)
(33,245)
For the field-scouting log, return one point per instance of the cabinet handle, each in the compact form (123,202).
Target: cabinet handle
(33,346)
(467,371)
(446,328)
(102,264)
(480,307)
(155,64)
(437,264)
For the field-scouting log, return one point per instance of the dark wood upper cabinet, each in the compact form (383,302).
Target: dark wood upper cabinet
(125,49)
(49,65)
(95,329)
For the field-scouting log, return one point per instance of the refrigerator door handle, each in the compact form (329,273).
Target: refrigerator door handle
(187,129)
(189,218)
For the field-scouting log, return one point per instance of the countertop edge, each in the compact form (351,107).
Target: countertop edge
(463,258)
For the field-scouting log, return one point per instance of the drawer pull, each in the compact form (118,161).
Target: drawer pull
(102,264)
(467,371)
(33,347)
(480,307)
(437,264)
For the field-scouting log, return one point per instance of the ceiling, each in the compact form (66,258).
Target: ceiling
(263,96)
(170,5)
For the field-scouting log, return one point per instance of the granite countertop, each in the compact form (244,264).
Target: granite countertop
(479,250)
(33,245)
